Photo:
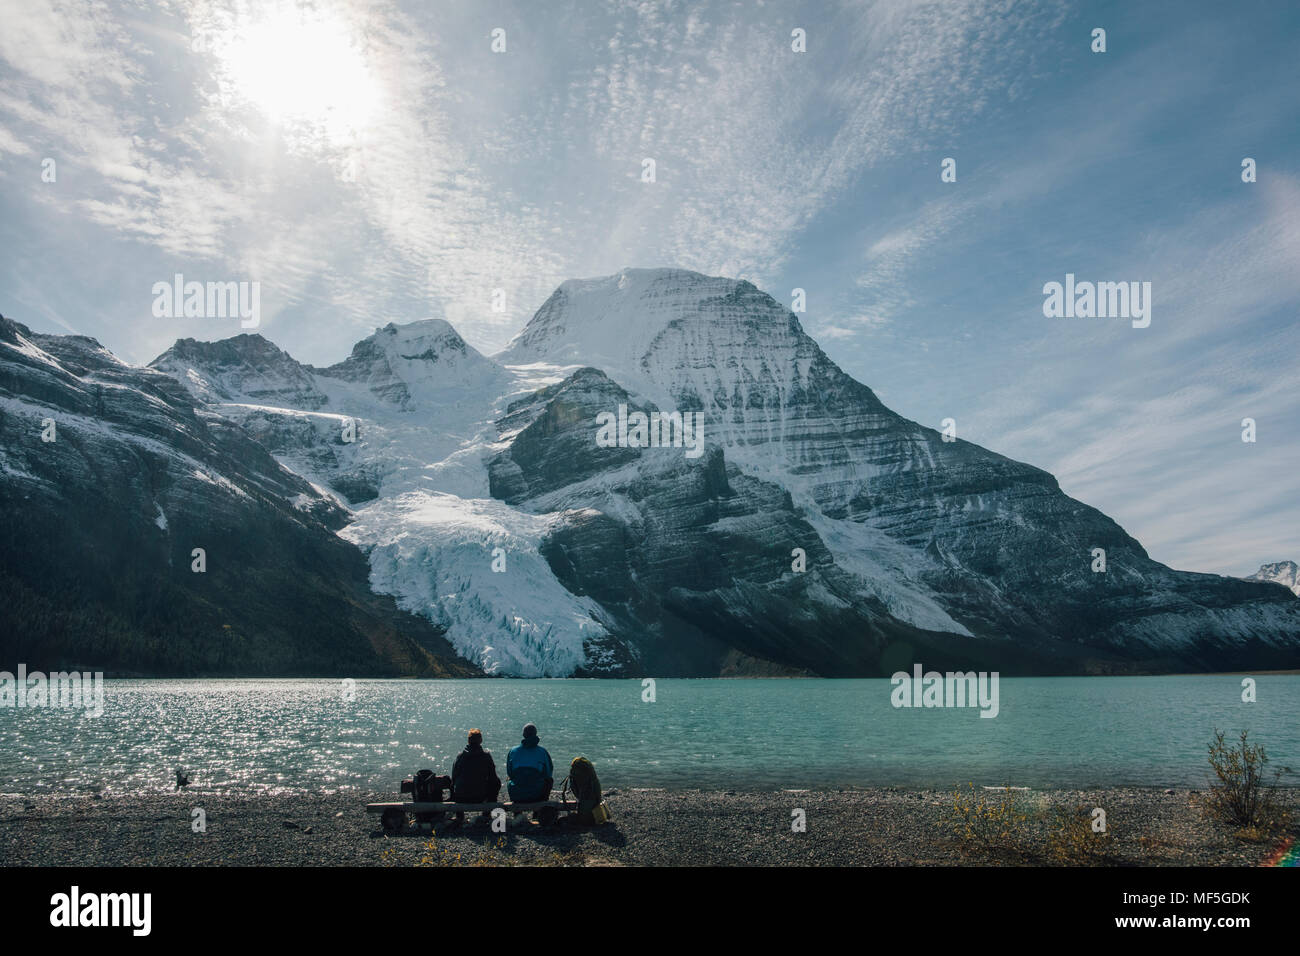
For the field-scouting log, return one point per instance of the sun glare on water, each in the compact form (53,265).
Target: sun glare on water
(298,65)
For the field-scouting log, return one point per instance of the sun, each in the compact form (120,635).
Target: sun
(299,65)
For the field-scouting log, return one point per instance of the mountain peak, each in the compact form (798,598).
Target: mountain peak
(399,360)
(637,279)
(246,368)
(426,338)
(613,322)
(1285,573)
(420,327)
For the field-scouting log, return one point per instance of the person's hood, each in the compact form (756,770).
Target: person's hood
(474,748)
(530,741)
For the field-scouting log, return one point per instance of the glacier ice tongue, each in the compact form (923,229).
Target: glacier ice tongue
(435,553)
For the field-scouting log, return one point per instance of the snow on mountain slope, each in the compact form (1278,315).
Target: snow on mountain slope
(611,323)
(691,558)
(687,341)
(421,404)
(415,396)
(420,364)
(768,392)
(769,395)
(1285,573)
(887,570)
(245,368)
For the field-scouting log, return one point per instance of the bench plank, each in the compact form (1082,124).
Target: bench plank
(412,807)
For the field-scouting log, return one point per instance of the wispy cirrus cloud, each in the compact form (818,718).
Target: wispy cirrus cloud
(374,160)
(477,171)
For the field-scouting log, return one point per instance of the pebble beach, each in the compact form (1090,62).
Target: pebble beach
(861,827)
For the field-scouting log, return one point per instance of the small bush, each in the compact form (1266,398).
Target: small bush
(1240,794)
(1071,840)
(989,822)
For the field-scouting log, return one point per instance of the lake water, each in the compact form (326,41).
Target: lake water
(260,735)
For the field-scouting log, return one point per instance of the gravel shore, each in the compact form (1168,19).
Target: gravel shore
(875,827)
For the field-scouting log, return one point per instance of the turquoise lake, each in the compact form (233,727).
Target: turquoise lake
(268,735)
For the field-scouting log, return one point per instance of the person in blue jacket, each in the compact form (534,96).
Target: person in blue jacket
(529,770)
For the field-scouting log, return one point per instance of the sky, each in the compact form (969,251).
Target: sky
(368,161)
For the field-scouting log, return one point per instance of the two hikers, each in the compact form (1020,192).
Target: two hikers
(528,767)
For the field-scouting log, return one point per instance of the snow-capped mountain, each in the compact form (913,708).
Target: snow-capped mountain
(145,533)
(421,363)
(399,435)
(245,368)
(813,530)
(948,536)
(1285,573)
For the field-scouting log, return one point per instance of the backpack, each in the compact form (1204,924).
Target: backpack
(428,787)
(584,783)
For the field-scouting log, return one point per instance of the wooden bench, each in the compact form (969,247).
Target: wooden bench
(393,816)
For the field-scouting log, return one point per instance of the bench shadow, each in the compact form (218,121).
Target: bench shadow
(558,836)
(568,836)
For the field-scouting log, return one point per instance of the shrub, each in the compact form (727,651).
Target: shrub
(1240,795)
(1071,840)
(989,822)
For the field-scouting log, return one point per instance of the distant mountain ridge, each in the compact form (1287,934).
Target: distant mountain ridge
(819,532)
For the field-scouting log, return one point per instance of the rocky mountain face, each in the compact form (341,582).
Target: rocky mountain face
(244,368)
(111,477)
(935,529)
(689,561)
(1285,573)
(812,531)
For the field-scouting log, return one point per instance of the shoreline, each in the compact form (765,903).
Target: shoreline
(882,826)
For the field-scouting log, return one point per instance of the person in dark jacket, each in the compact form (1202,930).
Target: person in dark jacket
(474,776)
(529,770)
